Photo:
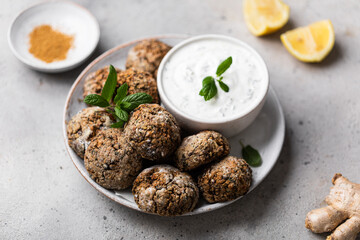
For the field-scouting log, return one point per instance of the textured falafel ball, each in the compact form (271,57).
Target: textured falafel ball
(111,161)
(200,149)
(140,81)
(147,55)
(225,180)
(95,81)
(164,190)
(85,125)
(153,132)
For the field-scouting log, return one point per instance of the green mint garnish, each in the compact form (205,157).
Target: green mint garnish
(118,124)
(223,66)
(122,104)
(223,86)
(138,98)
(209,89)
(121,93)
(97,100)
(121,114)
(110,84)
(251,155)
(128,106)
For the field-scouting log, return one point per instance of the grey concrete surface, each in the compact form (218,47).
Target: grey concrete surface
(42,196)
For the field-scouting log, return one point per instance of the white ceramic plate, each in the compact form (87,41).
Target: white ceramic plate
(64,16)
(266,133)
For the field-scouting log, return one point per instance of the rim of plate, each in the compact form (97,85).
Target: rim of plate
(65,67)
(111,194)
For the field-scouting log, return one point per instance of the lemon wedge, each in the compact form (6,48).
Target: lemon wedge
(265,16)
(311,43)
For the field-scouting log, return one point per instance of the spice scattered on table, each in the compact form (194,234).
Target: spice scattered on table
(49,45)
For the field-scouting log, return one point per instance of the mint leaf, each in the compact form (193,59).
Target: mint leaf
(208,80)
(138,98)
(128,106)
(251,155)
(121,114)
(119,124)
(209,89)
(223,66)
(121,93)
(206,85)
(223,86)
(96,100)
(110,84)
(212,92)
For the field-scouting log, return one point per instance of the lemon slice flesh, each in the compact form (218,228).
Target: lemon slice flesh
(265,16)
(311,43)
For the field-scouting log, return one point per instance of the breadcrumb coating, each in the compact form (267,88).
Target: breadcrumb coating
(200,149)
(225,180)
(147,55)
(153,132)
(164,190)
(111,161)
(85,125)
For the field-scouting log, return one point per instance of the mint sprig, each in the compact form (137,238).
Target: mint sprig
(209,89)
(122,104)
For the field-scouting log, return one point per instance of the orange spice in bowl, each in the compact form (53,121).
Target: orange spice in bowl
(49,45)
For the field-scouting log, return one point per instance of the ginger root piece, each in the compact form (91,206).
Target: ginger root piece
(343,204)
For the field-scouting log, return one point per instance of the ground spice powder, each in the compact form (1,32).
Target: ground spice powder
(48,44)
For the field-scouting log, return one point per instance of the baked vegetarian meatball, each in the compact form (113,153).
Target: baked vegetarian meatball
(200,149)
(85,125)
(147,55)
(164,190)
(140,81)
(225,180)
(153,132)
(95,81)
(111,161)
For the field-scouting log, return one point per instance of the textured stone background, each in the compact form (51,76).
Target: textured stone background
(42,196)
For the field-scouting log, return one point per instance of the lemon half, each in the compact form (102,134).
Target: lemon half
(311,43)
(265,16)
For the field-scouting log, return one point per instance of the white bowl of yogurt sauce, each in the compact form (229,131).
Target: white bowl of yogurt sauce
(180,78)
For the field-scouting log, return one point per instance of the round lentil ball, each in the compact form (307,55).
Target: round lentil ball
(166,191)
(153,132)
(111,161)
(147,55)
(200,149)
(140,81)
(85,125)
(94,82)
(225,180)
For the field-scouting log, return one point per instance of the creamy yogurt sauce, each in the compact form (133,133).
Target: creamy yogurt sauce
(188,65)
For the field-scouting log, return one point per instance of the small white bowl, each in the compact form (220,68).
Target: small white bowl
(230,126)
(67,17)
